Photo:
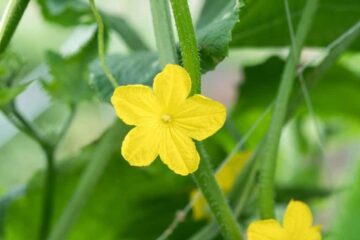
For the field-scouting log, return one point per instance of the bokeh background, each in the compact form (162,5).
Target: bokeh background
(319,152)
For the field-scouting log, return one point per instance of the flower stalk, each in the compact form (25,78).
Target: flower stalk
(204,176)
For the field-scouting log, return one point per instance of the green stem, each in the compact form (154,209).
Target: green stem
(238,196)
(50,174)
(164,36)
(101,156)
(10,20)
(48,195)
(239,193)
(204,176)
(101,45)
(67,125)
(188,44)
(27,127)
(49,149)
(269,152)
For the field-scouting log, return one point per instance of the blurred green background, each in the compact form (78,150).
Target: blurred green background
(131,203)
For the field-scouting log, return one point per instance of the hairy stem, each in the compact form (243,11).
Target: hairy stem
(204,176)
(269,152)
(238,196)
(164,36)
(101,45)
(188,44)
(10,20)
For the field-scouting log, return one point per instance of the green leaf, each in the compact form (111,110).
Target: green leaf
(70,74)
(141,67)
(347,225)
(263,23)
(330,95)
(214,31)
(65,12)
(284,194)
(69,82)
(136,68)
(337,93)
(5,201)
(7,94)
(123,204)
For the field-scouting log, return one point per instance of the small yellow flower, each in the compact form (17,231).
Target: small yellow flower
(166,120)
(225,178)
(297,225)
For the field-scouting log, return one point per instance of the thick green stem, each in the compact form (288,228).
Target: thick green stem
(10,20)
(101,45)
(204,176)
(164,36)
(188,44)
(205,180)
(269,152)
(239,193)
(48,195)
(99,160)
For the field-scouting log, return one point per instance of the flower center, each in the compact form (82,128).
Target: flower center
(166,118)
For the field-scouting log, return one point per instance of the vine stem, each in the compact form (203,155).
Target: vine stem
(269,152)
(49,148)
(204,176)
(10,20)
(101,44)
(238,195)
(164,35)
(106,146)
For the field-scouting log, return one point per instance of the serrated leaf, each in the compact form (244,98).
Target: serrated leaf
(214,31)
(65,12)
(263,23)
(136,68)
(69,82)
(213,40)
(70,74)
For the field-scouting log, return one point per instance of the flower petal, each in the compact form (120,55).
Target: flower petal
(200,117)
(297,219)
(265,230)
(313,233)
(172,86)
(135,104)
(178,152)
(141,145)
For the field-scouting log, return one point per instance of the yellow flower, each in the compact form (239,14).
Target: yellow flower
(225,178)
(297,225)
(166,120)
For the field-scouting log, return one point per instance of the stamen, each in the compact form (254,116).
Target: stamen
(166,118)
